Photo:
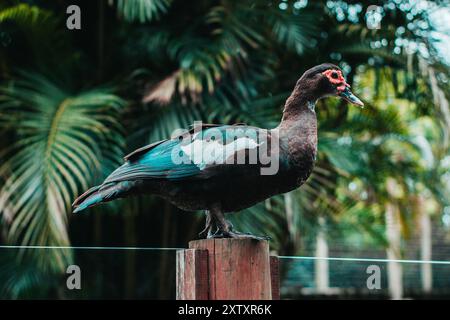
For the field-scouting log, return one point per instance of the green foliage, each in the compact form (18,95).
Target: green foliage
(59,144)
(23,280)
(296,30)
(25,15)
(178,61)
(142,10)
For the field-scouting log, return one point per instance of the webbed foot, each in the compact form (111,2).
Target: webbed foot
(228,232)
(218,227)
(209,226)
(236,235)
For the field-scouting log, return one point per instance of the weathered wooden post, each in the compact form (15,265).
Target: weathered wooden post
(227,269)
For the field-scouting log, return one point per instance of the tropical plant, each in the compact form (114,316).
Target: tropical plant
(60,143)
(176,62)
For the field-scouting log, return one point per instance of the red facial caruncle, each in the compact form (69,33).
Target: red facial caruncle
(336,78)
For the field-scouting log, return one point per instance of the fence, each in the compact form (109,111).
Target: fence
(150,273)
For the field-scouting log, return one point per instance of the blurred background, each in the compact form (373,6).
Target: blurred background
(74,102)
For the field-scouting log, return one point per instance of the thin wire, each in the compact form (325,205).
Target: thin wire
(174,249)
(88,248)
(366,260)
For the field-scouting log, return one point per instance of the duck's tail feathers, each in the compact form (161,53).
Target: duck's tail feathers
(99,194)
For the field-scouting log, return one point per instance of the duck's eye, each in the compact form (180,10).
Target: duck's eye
(334,75)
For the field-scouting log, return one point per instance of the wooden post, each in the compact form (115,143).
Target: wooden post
(227,269)
(192,274)
(275,277)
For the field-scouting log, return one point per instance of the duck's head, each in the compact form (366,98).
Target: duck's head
(327,80)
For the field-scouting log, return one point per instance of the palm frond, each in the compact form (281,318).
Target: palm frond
(22,280)
(294,30)
(26,15)
(142,10)
(60,143)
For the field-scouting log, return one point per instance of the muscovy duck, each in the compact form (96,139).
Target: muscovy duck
(221,169)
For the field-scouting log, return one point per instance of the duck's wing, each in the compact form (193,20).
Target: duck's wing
(136,154)
(197,154)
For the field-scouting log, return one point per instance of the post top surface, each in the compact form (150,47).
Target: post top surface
(227,242)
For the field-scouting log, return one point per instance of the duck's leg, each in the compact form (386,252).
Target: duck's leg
(225,228)
(210,225)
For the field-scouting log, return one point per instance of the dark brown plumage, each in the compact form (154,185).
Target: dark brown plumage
(213,183)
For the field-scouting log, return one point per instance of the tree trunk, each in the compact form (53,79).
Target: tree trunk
(394,269)
(322,265)
(130,255)
(291,221)
(289,205)
(101,39)
(425,245)
(168,225)
(97,228)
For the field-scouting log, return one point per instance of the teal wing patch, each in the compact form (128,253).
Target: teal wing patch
(176,159)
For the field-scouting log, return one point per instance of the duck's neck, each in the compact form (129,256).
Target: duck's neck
(298,127)
(299,110)
(295,110)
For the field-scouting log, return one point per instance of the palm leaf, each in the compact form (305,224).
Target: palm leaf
(142,10)
(26,15)
(294,30)
(60,143)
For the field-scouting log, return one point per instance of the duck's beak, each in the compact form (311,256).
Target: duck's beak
(350,97)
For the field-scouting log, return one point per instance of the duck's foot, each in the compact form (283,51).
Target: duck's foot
(209,226)
(218,227)
(236,235)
